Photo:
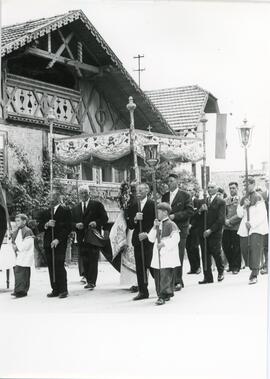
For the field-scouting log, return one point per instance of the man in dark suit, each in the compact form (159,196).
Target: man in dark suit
(3,223)
(182,209)
(215,209)
(60,223)
(192,243)
(265,196)
(87,216)
(143,211)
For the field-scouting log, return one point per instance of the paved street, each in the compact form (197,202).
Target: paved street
(201,329)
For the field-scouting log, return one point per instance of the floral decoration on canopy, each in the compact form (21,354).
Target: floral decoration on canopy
(116,144)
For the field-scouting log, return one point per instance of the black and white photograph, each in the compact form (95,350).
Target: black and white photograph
(134,189)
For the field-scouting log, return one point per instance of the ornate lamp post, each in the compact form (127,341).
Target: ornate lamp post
(151,159)
(245,134)
(51,118)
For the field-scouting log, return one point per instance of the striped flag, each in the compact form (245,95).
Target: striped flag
(221,142)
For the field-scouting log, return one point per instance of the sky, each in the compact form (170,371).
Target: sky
(222,46)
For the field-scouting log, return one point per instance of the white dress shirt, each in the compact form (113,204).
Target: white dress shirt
(143,202)
(211,198)
(86,204)
(55,208)
(172,195)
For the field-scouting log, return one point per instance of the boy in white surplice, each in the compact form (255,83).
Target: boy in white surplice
(23,245)
(165,253)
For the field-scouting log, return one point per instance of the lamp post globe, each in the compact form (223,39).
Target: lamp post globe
(151,151)
(245,133)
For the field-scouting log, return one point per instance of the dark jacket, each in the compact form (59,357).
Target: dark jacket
(231,213)
(3,224)
(195,217)
(215,216)
(95,211)
(62,227)
(147,222)
(181,208)
(265,196)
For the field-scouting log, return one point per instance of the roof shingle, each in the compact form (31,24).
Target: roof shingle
(182,106)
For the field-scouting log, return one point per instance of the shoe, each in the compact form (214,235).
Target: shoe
(198,271)
(20,294)
(160,301)
(62,295)
(167,298)
(83,281)
(90,286)
(13,294)
(134,289)
(220,277)
(235,272)
(141,296)
(178,287)
(204,281)
(191,272)
(253,280)
(53,294)
(264,271)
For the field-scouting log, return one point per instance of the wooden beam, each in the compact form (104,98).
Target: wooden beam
(61,49)
(69,52)
(71,62)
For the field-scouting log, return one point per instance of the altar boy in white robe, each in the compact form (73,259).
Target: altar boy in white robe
(23,245)
(165,253)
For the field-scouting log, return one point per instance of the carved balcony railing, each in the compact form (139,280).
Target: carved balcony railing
(28,100)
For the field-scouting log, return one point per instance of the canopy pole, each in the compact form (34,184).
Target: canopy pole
(131,106)
(204,121)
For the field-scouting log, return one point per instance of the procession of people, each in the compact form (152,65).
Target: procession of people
(221,230)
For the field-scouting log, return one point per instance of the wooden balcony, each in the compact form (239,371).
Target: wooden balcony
(28,100)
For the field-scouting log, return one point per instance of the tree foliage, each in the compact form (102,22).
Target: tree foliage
(28,192)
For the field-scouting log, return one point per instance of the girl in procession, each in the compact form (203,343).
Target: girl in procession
(165,253)
(23,245)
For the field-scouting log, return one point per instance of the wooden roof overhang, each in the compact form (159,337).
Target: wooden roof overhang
(112,80)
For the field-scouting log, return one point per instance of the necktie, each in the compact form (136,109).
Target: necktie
(84,208)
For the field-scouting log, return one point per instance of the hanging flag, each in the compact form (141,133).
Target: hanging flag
(221,142)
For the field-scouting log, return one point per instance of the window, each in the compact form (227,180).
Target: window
(87,171)
(119,175)
(106,174)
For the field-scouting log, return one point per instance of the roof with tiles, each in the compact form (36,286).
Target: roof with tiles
(181,107)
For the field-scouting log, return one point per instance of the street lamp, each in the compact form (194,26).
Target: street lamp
(151,159)
(245,134)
